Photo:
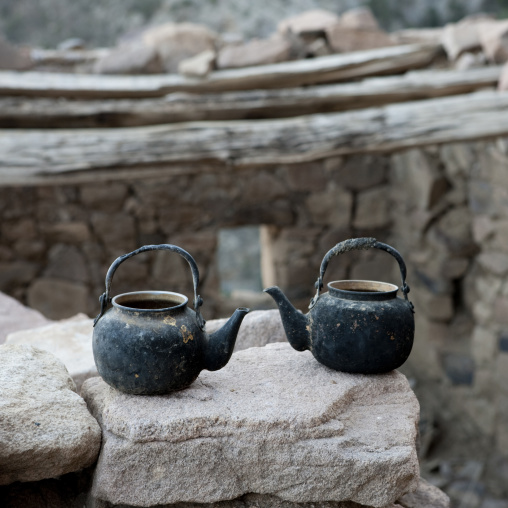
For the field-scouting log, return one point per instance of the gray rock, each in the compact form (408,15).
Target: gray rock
(67,232)
(13,58)
(360,18)
(372,209)
(46,428)
(419,175)
(425,496)
(464,35)
(316,20)
(259,328)
(355,33)
(332,207)
(495,262)
(14,316)
(70,341)
(255,52)
(133,58)
(249,501)
(175,42)
(198,66)
(107,197)
(358,172)
(494,41)
(57,298)
(67,262)
(272,422)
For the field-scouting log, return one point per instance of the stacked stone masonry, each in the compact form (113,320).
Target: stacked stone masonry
(445,208)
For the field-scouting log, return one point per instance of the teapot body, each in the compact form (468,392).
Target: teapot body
(150,342)
(367,336)
(358,326)
(148,351)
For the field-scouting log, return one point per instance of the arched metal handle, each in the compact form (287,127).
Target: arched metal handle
(198,301)
(360,244)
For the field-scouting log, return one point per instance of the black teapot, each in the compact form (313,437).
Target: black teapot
(359,326)
(150,342)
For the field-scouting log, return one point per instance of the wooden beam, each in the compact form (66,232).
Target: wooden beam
(23,112)
(36,156)
(326,69)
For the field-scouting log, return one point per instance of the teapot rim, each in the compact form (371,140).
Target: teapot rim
(356,289)
(143,295)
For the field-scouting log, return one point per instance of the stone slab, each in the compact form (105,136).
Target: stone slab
(259,328)
(70,341)
(15,316)
(252,501)
(45,427)
(272,422)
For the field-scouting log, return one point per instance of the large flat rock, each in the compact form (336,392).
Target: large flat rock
(272,422)
(45,427)
(69,340)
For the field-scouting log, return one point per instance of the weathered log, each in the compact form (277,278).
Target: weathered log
(59,156)
(66,57)
(325,69)
(22,112)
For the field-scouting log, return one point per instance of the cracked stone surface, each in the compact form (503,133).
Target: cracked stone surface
(45,427)
(273,422)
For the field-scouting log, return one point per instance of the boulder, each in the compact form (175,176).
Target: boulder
(259,328)
(272,422)
(70,341)
(13,58)
(417,36)
(344,37)
(46,429)
(255,52)
(57,298)
(457,38)
(316,20)
(372,209)
(250,501)
(359,18)
(425,496)
(198,66)
(14,316)
(132,58)
(494,41)
(470,60)
(175,42)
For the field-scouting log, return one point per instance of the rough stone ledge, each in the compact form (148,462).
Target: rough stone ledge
(45,428)
(273,422)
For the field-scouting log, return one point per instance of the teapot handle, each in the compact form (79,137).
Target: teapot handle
(360,244)
(105,299)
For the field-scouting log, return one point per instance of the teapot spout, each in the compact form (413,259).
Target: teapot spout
(295,323)
(220,344)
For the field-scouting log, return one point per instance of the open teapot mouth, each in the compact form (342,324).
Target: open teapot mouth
(149,301)
(363,289)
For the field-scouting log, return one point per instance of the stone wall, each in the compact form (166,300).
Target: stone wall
(56,243)
(445,208)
